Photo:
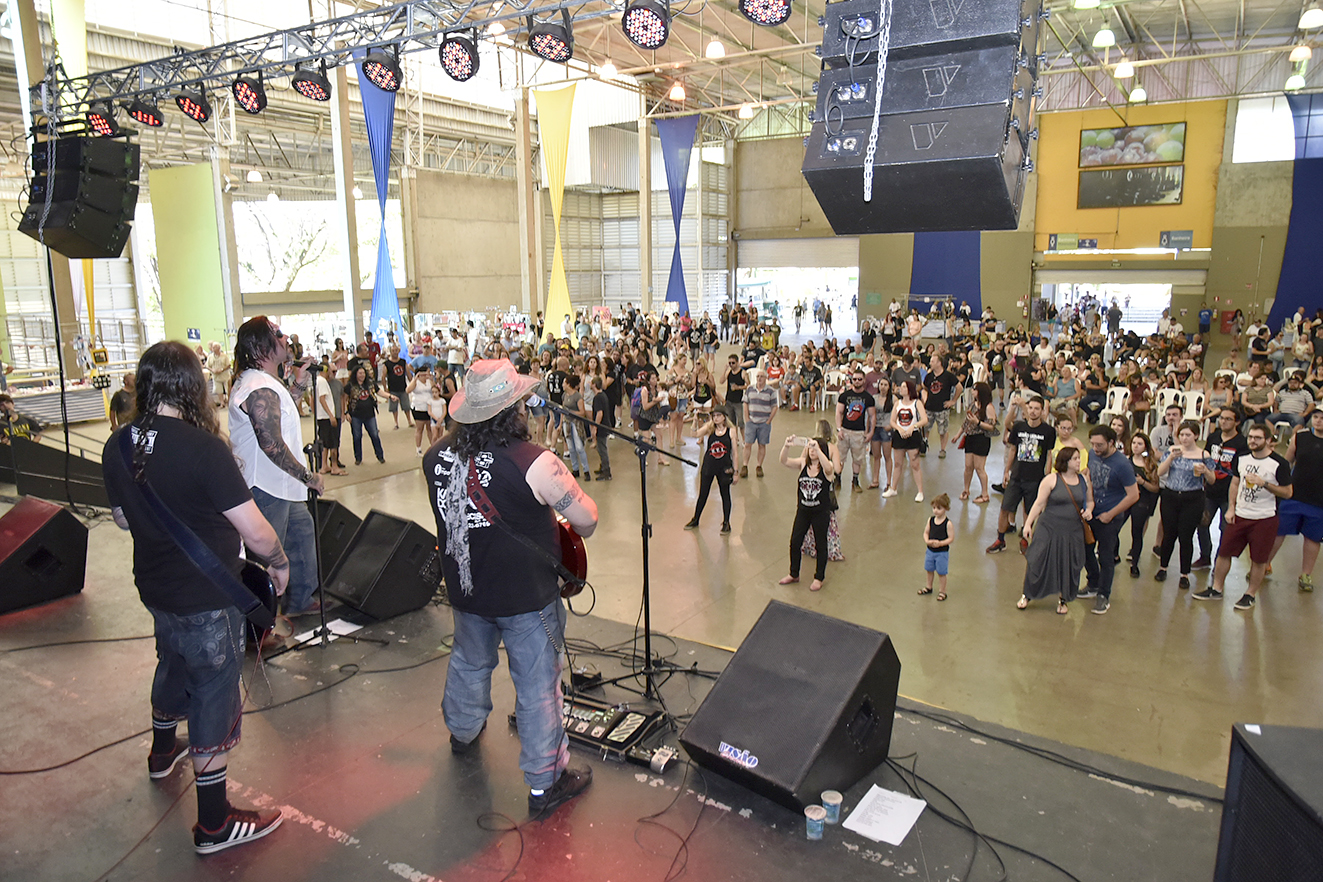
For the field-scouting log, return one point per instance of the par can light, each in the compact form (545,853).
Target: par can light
(382,70)
(249,93)
(647,23)
(313,83)
(459,57)
(551,40)
(194,105)
(146,112)
(101,119)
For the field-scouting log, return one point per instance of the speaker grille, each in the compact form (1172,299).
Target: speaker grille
(1273,837)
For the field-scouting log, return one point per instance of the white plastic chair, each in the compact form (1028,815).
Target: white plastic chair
(1194,406)
(832,378)
(1287,373)
(978,373)
(1118,400)
(1168,397)
(1229,374)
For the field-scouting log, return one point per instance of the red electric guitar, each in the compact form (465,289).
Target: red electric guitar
(573,557)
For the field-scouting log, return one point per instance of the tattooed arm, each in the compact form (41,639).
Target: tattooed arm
(260,539)
(553,485)
(263,409)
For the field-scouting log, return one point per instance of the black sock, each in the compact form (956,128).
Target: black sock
(213,806)
(163,735)
(1001,537)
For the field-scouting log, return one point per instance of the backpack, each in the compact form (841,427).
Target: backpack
(636,404)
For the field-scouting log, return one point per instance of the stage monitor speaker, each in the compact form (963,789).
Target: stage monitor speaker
(850,28)
(805,705)
(43,554)
(338,526)
(390,567)
(1272,815)
(92,196)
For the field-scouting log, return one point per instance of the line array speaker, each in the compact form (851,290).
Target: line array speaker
(805,705)
(956,116)
(389,567)
(92,192)
(43,554)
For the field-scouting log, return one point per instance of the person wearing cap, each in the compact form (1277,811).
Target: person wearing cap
(501,587)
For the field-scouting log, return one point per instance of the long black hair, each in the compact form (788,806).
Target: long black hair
(467,439)
(254,342)
(170,374)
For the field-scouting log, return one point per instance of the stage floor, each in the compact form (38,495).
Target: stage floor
(350,741)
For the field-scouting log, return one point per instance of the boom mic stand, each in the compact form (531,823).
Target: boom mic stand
(641,448)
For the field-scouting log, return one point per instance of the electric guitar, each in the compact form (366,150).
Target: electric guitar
(257,580)
(573,558)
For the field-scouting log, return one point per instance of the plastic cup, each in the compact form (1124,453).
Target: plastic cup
(815,817)
(831,801)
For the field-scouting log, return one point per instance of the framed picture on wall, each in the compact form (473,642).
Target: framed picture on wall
(1126,187)
(1132,145)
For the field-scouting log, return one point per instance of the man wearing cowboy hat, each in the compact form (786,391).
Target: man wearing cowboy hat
(500,588)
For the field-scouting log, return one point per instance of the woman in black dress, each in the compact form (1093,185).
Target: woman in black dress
(815,502)
(980,421)
(720,463)
(1055,531)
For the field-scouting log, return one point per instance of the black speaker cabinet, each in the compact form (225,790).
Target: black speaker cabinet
(43,554)
(389,567)
(805,705)
(338,526)
(850,28)
(1272,817)
(92,196)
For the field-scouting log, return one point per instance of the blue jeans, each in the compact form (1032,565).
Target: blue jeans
(356,426)
(1100,557)
(534,647)
(574,441)
(293,525)
(198,662)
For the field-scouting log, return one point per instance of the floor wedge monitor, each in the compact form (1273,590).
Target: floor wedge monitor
(43,554)
(389,568)
(805,705)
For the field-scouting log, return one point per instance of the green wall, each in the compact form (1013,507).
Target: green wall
(188,252)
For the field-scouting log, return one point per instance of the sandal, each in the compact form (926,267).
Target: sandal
(981,500)
(1062,608)
(1022,603)
(964,494)
(941,595)
(873,486)
(923,591)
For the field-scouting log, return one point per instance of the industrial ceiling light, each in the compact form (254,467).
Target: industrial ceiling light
(647,23)
(101,119)
(608,70)
(382,70)
(1311,18)
(767,13)
(1087,4)
(1300,53)
(249,93)
(1104,39)
(1125,70)
(1138,95)
(551,40)
(193,104)
(313,83)
(746,111)
(1294,81)
(459,56)
(254,176)
(272,197)
(715,49)
(677,93)
(358,192)
(146,112)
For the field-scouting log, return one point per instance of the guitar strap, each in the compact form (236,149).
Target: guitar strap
(196,550)
(488,510)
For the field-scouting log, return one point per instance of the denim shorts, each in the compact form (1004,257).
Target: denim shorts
(198,662)
(757,433)
(936,561)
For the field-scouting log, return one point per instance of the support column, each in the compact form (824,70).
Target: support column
(645,206)
(529,205)
(698,213)
(342,150)
(228,243)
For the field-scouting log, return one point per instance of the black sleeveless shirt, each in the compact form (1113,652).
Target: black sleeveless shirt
(716,456)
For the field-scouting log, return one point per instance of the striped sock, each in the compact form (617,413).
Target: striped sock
(213,806)
(163,735)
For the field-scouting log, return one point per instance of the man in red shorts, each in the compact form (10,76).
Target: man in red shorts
(1258,480)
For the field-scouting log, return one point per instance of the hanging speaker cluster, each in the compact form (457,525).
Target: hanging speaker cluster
(955,123)
(82,196)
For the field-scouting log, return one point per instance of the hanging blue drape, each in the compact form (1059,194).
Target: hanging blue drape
(677,143)
(1298,283)
(379,114)
(949,263)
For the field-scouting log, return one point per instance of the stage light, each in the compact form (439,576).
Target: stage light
(101,119)
(552,40)
(194,105)
(1104,38)
(1087,4)
(647,23)
(272,197)
(382,70)
(1300,53)
(459,56)
(1138,95)
(254,176)
(746,111)
(608,70)
(249,93)
(677,92)
(715,49)
(146,112)
(1124,71)
(1311,18)
(313,83)
(767,13)
(1294,81)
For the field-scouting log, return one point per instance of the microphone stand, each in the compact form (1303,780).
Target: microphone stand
(641,448)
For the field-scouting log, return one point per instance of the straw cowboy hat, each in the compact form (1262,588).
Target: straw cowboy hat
(490,386)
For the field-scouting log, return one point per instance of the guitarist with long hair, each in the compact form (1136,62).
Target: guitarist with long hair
(496,497)
(178,450)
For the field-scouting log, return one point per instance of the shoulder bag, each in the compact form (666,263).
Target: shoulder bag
(1088,531)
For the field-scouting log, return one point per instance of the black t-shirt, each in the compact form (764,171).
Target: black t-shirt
(194,473)
(1223,456)
(1032,445)
(901,374)
(695,337)
(123,403)
(750,355)
(940,386)
(1259,349)
(556,386)
(735,383)
(397,378)
(603,411)
(856,404)
(19,427)
(1307,479)
(811,375)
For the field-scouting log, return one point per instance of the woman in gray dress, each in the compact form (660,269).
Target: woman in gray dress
(1055,531)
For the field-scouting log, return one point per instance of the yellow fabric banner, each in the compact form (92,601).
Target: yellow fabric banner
(554,107)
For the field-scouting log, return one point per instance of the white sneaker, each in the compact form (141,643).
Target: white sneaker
(889,492)
(918,497)
(420,451)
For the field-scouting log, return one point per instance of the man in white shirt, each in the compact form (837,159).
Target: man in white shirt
(267,439)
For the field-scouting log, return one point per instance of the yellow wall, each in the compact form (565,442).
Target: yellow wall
(1138,227)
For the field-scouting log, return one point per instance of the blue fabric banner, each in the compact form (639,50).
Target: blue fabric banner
(1297,286)
(379,114)
(677,143)
(949,263)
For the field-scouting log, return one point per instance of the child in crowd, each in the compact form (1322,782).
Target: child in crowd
(937,538)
